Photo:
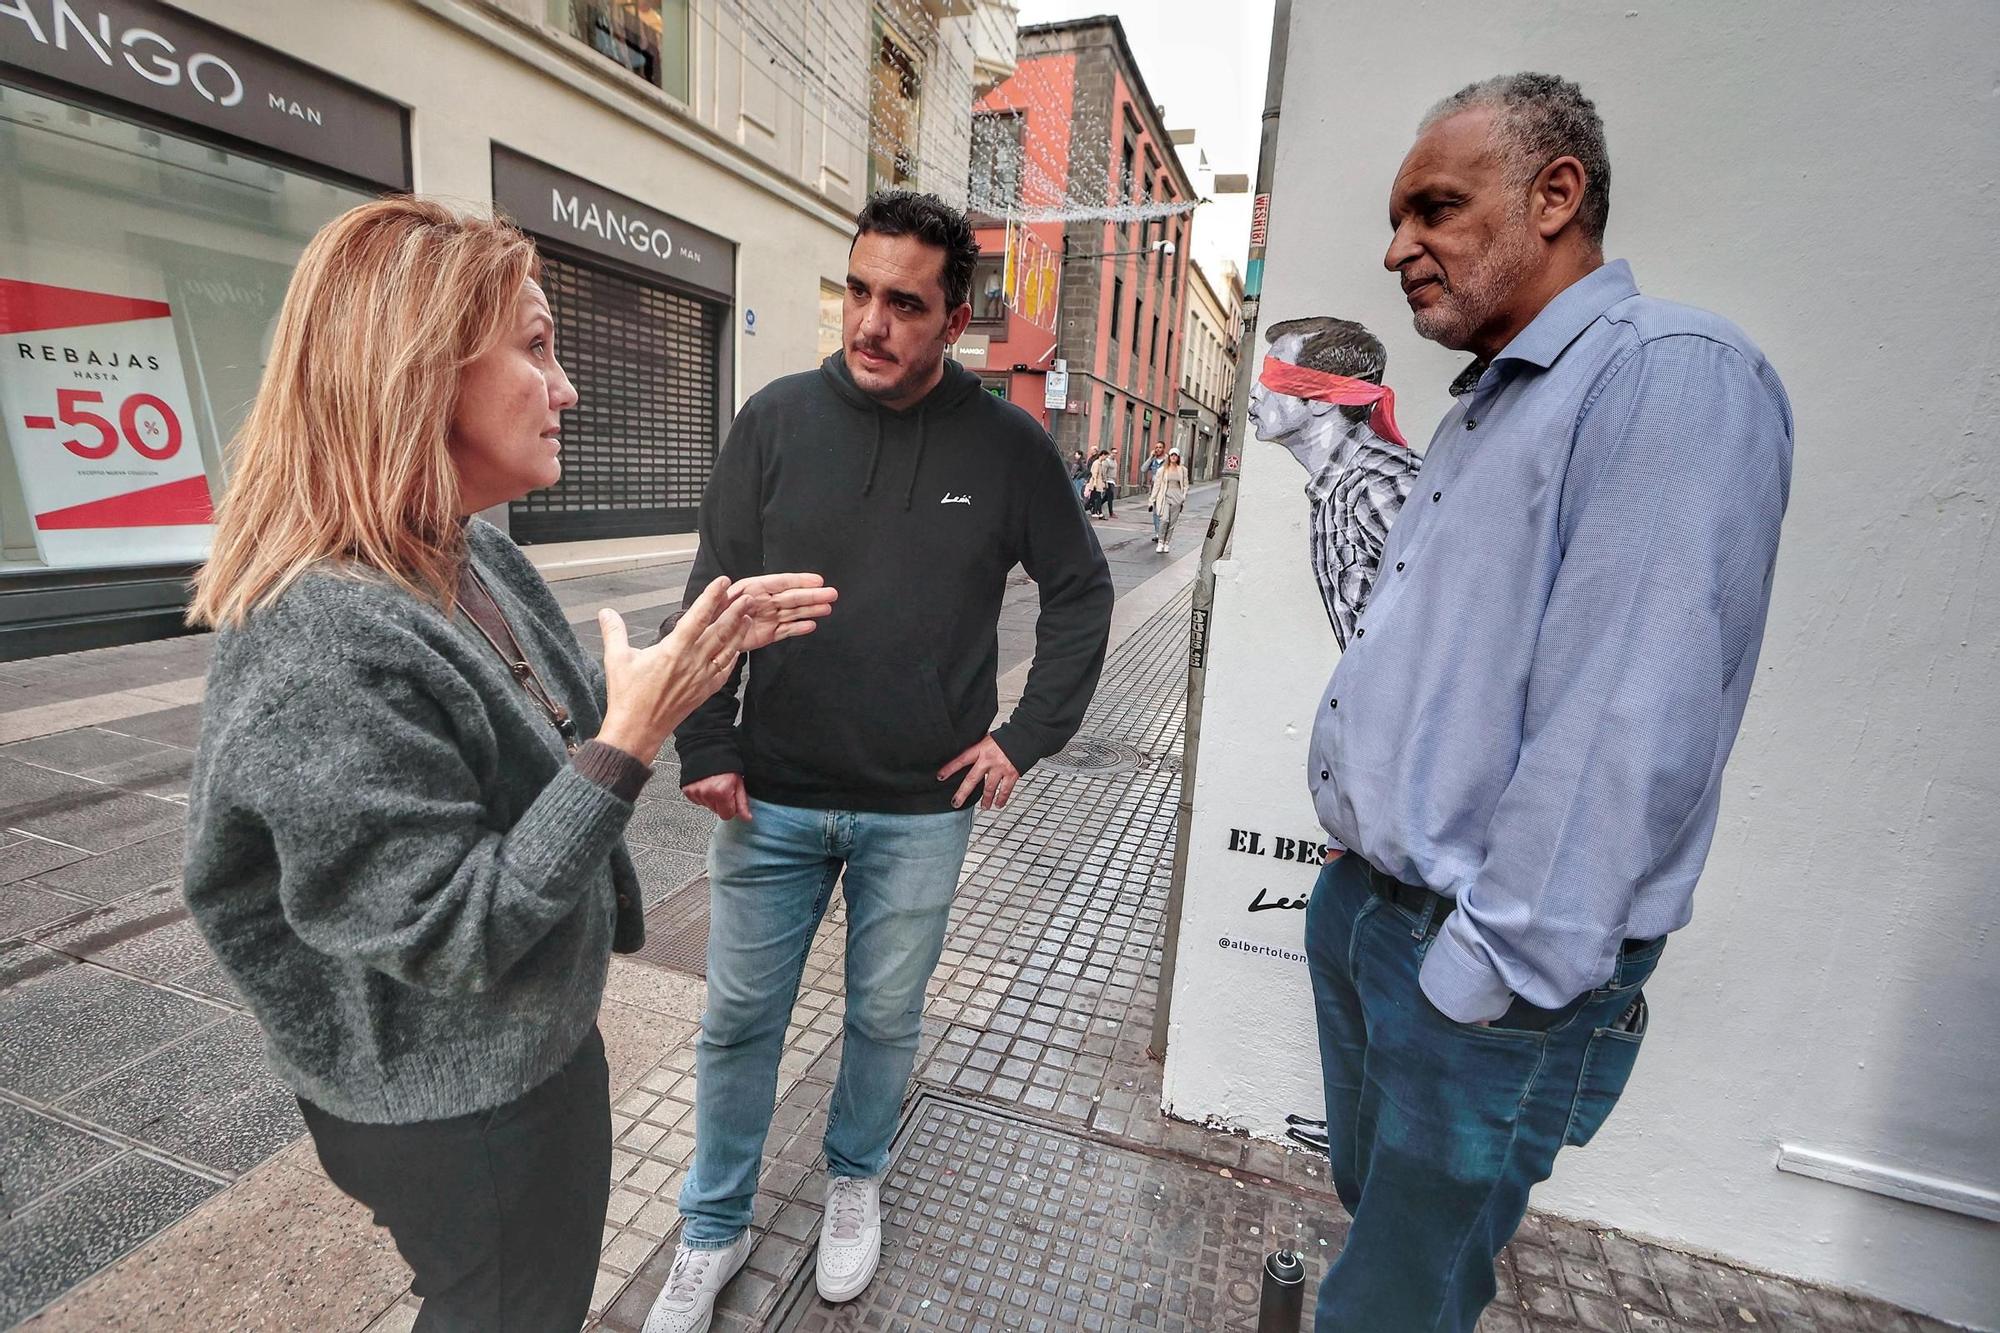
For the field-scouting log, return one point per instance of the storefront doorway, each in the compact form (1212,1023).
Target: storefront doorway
(642,303)
(641,441)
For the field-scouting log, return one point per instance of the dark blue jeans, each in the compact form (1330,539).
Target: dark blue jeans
(1438,1129)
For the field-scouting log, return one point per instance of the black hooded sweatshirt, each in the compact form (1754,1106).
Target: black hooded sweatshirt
(917,517)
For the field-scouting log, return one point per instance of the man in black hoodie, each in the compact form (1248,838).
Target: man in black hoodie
(862,748)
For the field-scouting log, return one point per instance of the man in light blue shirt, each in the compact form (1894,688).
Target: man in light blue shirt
(1523,743)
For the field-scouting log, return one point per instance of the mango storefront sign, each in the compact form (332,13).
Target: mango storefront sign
(565,208)
(155,56)
(100,424)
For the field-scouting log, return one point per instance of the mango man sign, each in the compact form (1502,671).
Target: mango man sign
(101,428)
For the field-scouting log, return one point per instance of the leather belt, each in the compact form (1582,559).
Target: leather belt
(1432,908)
(1427,907)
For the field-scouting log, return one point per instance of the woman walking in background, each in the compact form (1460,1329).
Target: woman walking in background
(1170,490)
(1104,483)
(406,823)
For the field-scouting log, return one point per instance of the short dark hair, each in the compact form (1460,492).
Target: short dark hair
(1338,347)
(932,221)
(1537,119)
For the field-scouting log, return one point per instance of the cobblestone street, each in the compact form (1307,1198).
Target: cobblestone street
(156,1178)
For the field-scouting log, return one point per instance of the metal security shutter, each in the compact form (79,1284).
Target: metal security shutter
(638,446)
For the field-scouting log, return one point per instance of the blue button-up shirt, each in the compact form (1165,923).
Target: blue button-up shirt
(1535,711)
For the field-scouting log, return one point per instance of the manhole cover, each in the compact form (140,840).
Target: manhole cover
(1094,754)
(994,1222)
(677,930)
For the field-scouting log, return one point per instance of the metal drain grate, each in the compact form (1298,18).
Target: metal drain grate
(990,1221)
(677,930)
(1095,754)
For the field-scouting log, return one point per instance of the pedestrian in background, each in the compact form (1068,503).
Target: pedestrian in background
(1169,497)
(1104,483)
(1523,744)
(1079,473)
(1155,460)
(406,820)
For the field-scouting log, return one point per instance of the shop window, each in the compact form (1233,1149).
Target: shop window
(832,305)
(892,108)
(141,273)
(647,37)
(989,289)
(997,164)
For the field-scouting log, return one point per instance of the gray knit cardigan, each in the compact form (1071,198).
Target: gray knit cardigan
(414,887)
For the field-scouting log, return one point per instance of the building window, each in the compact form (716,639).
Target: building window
(1121,191)
(1105,423)
(995,186)
(1117,305)
(832,304)
(1153,343)
(1138,327)
(1130,413)
(647,37)
(989,289)
(892,108)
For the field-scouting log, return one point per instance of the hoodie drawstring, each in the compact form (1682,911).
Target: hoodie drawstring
(923,438)
(874,456)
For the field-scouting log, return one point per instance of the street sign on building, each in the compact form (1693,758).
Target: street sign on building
(1055,389)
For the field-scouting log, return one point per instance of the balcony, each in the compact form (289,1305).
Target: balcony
(994,27)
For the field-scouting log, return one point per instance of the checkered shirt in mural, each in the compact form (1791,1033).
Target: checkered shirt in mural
(1355,498)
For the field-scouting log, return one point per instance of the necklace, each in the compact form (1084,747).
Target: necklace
(491,622)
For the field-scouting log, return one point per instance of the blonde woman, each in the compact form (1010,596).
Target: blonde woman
(406,825)
(1169,497)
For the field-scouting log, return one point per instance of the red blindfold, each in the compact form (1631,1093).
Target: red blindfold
(1300,382)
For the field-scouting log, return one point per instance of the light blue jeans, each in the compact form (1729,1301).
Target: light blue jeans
(770,882)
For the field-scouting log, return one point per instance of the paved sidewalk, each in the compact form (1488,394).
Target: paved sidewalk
(155,1178)
(133,1096)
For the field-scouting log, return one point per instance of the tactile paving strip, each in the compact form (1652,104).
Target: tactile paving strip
(993,1222)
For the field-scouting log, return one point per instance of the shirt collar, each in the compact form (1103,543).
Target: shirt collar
(1320,485)
(1573,311)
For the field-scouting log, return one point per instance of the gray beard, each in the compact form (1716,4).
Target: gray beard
(1472,302)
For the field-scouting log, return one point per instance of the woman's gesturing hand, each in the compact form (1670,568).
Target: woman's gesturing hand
(650,691)
(783,606)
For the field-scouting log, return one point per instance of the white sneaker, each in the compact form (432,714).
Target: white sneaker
(687,1302)
(850,1237)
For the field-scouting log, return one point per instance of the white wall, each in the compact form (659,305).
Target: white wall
(1825,175)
